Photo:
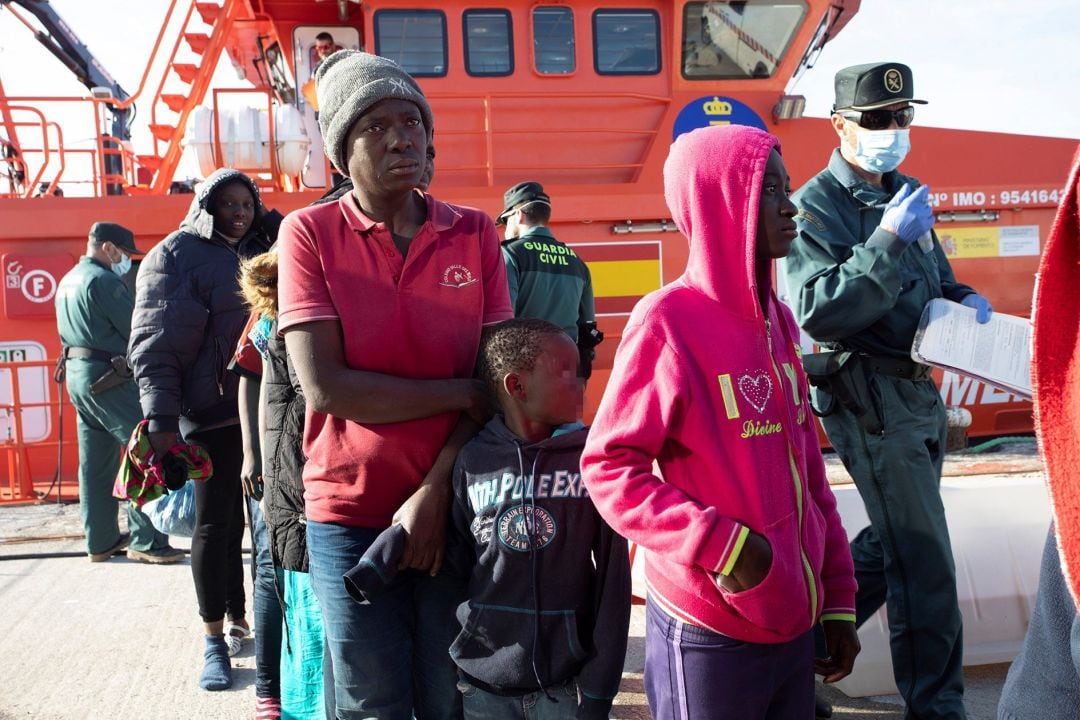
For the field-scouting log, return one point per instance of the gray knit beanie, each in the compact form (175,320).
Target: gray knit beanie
(347,84)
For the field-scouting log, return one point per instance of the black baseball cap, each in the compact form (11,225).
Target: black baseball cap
(118,235)
(873,86)
(520,194)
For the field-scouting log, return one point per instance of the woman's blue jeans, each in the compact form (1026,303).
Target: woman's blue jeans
(268,615)
(390,658)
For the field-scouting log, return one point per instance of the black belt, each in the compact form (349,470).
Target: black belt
(73,351)
(898,367)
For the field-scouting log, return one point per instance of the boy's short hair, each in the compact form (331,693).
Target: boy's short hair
(512,346)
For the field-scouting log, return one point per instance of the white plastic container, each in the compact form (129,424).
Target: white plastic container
(245,139)
(250,139)
(200,139)
(998,527)
(292,140)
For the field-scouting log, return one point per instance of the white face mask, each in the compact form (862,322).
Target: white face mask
(121,268)
(880,151)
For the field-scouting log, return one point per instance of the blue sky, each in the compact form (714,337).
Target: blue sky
(1001,65)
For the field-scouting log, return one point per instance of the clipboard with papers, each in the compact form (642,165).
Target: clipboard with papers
(997,353)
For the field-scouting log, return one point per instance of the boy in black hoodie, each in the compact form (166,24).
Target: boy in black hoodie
(548,611)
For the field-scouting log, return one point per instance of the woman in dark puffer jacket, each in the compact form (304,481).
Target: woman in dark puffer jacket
(188,317)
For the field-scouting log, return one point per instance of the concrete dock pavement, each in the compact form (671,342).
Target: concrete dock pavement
(122,640)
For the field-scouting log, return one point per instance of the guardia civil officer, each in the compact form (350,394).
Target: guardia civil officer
(548,281)
(865,264)
(93,317)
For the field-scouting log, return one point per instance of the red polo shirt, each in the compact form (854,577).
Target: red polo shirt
(418,316)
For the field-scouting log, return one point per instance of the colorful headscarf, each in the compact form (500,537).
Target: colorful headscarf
(143,478)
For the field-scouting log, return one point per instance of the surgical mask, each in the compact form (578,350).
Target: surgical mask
(121,268)
(880,151)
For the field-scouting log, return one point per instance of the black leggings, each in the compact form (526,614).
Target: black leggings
(216,561)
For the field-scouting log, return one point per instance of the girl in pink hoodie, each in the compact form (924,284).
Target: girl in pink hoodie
(744,550)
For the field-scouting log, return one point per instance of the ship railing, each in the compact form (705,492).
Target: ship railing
(100,182)
(490,131)
(220,158)
(27,465)
(28,184)
(45,158)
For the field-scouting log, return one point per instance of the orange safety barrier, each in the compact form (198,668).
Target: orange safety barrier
(42,123)
(33,471)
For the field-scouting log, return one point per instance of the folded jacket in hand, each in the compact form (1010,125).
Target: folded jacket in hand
(378,567)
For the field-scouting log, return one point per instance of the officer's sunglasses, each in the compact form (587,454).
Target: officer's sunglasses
(882,119)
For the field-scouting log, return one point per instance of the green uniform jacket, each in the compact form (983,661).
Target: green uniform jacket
(852,284)
(548,281)
(93,308)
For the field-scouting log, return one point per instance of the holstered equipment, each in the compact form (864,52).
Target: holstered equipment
(117,374)
(845,377)
(589,336)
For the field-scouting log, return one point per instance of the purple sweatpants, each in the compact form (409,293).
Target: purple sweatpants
(695,674)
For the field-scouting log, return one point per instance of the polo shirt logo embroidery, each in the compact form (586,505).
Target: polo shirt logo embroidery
(457,276)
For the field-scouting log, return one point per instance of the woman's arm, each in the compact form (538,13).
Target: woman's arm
(251,470)
(424,515)
(317,352)
(166,331)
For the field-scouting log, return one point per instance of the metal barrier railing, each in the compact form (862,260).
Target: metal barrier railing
(487,130)
(104,145)
(29,463)
(43,155)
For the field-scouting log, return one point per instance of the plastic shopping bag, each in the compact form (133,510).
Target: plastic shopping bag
(174,513)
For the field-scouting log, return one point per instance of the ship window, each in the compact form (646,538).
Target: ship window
(738,40)
(488,42)
(415,39)
(553,40)
(626,42)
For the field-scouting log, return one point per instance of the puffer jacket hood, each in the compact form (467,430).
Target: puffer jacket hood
(198,220)
(712,184)
(189,314)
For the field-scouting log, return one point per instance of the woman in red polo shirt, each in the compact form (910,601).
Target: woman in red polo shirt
(383,295)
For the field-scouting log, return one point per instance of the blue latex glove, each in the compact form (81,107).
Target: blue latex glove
(909,215)
(983,311)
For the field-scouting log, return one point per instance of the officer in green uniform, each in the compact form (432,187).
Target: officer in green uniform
(93,317)
(548,281)
(865,264)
